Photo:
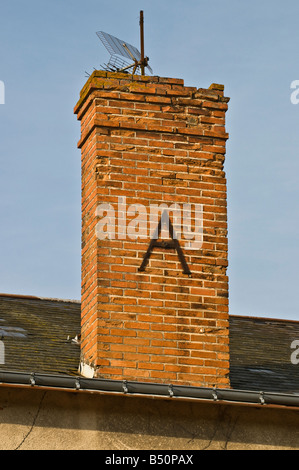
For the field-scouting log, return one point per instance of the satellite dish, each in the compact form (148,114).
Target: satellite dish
(122,54)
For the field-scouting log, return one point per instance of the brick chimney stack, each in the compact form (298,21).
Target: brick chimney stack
(153,309)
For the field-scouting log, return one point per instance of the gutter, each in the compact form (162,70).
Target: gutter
(150,390)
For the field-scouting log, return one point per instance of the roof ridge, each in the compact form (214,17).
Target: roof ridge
(33,297)
(252,317)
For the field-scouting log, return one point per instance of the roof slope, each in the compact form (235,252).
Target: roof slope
(260,354)
(37,335)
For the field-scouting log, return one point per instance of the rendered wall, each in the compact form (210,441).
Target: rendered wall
(31,419)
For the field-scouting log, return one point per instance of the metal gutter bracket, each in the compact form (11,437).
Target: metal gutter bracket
(125,387)
(214,394)
(77,383)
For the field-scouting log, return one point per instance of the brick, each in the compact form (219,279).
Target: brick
(154,140)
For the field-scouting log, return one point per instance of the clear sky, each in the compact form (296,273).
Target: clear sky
(249,46)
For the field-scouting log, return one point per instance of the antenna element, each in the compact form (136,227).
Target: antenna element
(120,51)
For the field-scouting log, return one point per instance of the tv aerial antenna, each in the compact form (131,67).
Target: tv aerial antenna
(124,56)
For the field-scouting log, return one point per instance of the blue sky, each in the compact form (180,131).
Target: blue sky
(250,47)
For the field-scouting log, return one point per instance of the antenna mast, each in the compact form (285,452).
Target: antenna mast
(142,42)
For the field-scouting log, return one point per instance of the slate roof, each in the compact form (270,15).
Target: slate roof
(35,334)
(260,354)
(38,335)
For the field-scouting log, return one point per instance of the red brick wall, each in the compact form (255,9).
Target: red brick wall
(154,140)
